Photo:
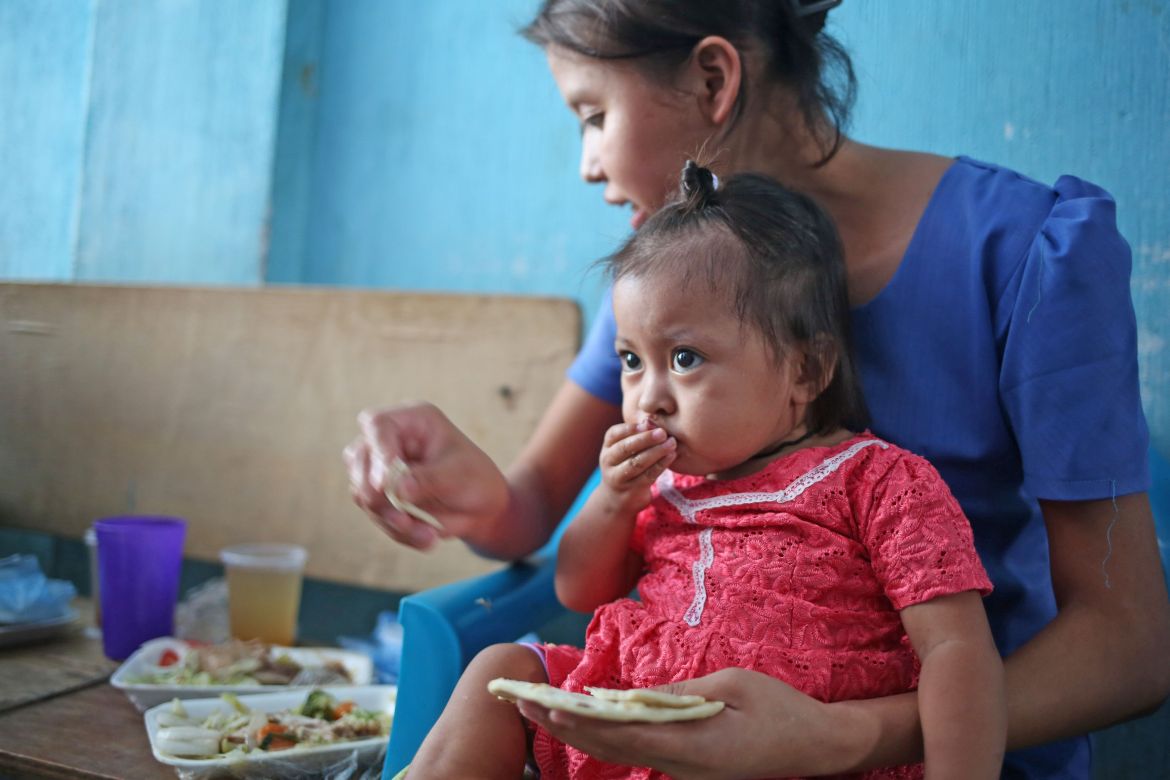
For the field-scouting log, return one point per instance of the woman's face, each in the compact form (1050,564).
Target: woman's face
(635,133)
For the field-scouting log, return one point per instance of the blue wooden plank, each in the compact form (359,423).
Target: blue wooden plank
(182,125)
(44,56)
(296,133)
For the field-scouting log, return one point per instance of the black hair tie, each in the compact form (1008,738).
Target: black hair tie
(697,184)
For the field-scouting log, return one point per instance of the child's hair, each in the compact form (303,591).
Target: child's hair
(789,36)
(775,257)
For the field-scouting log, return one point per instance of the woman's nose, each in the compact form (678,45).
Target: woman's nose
(591,170)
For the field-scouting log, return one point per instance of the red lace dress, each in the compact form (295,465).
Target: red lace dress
(797,571)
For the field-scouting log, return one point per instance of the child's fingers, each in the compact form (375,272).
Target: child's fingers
(618,432)
(646,465)
(649,475)
(636,446)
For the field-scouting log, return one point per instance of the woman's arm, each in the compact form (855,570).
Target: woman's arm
(454,480)
(1103,659)
(547,476)
(960,688)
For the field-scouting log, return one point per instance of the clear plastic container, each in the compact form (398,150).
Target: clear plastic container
(264,590)
(94,630)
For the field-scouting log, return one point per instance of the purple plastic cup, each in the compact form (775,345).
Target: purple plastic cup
(139,560)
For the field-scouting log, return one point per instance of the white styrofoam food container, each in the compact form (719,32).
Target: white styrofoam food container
(145,661)
(305,759)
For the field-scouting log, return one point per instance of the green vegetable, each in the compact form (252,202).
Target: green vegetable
(359,714)
(318,704)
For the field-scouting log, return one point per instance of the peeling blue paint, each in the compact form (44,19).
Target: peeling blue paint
(387,143)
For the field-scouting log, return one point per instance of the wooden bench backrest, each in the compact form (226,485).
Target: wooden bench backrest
(230,407)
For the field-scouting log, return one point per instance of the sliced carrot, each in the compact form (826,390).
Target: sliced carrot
(269,728)
(280,743)
(274,736)
(342,709)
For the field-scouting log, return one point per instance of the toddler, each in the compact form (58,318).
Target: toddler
(760,530)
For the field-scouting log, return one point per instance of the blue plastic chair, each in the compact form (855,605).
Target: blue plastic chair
(444,627)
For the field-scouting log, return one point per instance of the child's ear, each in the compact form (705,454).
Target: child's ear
(818,365)
(715,73)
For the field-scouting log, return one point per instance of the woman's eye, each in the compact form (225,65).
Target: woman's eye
(685,360)
(595,120)
(630,361)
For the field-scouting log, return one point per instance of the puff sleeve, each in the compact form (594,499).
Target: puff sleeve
(1069,373)
(920,543)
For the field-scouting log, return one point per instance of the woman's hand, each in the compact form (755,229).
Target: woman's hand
(632,457)
(766,729)
(448,475)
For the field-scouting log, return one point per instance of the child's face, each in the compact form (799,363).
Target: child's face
(635,134)
(691,367)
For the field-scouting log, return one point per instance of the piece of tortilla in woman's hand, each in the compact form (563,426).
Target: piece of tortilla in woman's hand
(398,468)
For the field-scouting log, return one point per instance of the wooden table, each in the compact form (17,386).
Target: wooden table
(60,718)
(93,732)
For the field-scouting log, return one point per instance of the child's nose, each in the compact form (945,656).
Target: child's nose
(656,399)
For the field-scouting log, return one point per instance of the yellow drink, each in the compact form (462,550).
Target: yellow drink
(264,591)
(263,604)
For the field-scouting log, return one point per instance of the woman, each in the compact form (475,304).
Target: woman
(995,335)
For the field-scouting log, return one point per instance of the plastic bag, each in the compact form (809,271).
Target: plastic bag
(365,765)
(27,595)
(383,646)
(202,615)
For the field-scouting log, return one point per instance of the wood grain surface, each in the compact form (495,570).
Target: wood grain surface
(230,408)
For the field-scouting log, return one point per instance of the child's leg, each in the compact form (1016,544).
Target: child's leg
(479,735)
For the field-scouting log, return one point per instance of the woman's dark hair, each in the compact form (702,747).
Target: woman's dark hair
(796,49)
(776,257)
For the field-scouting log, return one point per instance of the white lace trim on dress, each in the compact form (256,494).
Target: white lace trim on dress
(699,572)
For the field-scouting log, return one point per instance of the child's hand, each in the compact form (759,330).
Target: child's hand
(632,457)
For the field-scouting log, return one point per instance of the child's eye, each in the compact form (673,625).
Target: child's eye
(685,360)
(630,361)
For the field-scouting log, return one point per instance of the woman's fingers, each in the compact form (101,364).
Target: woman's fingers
(410,466)
(358,464)
(370,476)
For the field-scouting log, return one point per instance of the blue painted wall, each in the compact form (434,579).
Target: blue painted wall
(136,139)
(440,157)
(44,69)
(388,143)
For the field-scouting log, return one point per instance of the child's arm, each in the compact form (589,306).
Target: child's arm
(960,691)
(595,564)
